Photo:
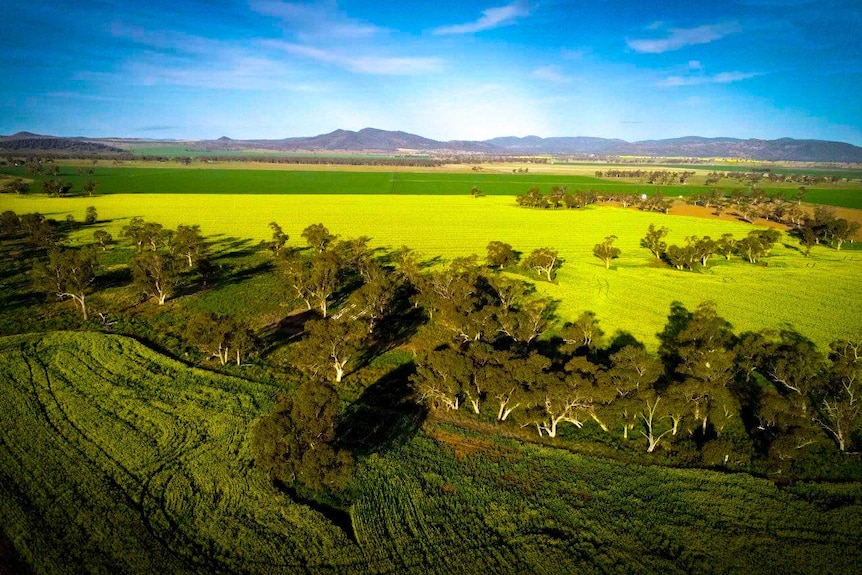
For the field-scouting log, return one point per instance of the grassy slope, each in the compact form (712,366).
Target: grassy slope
(114,459)
(814,295)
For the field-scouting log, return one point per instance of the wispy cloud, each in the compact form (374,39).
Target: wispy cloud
(67,95)
(569,54)
(721,78)
(312,21)
(167,40)
(390,66)
(682,37)
(238,72)
(491,18)
(551,74)
(158,128)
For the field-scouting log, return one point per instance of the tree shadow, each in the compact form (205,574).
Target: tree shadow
(114,278)
(384,417)
(677,321)
(397,327)
(338,517)
(228,246)
(623,339)
(289,328)
(20,299)
(230,276)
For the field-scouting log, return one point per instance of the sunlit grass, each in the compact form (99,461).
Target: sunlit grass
(816,295)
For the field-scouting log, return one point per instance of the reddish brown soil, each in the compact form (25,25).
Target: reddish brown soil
(681,208)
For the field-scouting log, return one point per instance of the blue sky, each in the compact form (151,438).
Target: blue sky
(444,69)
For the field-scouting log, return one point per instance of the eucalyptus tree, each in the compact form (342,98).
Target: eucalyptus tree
(156,274)
(501,254)
(606,251)
(188,243)
(69,274)
(318,237)
(544,261)
(329,348)
(654,241)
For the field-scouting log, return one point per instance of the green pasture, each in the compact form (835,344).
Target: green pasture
(114,459)
(217,180)
(816,295)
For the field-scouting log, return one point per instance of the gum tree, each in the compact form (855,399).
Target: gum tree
(70,274)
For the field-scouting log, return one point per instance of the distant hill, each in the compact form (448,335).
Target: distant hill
(29,142)
(375,140)
(367,139)
(537,145)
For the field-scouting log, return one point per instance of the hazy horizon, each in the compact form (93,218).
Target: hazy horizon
(266,69)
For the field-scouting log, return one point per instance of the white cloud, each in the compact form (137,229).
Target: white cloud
(551,74)
(167,40)
(240,73)
(316,21)
(491,18)
(682,37)
(392,66)
(694,65)
(568,54)
(721,78)
(468,111)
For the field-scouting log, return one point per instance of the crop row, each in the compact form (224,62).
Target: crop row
(114,459)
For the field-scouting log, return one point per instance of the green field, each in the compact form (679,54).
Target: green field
(114,459)
(209,180)
(816,296)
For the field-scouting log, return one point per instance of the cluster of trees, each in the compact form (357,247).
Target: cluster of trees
(754,177)
(53,186)
(68,273)
(819,226)
(823,226)
(163,255)
(697,251)
(16,186)
(762,394)
(485,344)
(754,204)
(491,347)
(663,177)
(161,258)
(559,197)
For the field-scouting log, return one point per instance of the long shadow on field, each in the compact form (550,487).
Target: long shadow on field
(114,278)
(385,415)
(234,247)
(338,517)
(289,328)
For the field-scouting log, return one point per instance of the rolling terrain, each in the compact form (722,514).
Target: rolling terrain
(116,459)
(376,140)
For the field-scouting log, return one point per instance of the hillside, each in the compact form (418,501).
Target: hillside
(116,459)
(29,142)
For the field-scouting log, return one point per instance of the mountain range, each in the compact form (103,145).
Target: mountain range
(375,140)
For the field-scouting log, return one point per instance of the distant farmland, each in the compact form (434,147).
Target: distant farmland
(216,180)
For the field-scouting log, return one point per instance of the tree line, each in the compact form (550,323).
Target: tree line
(486,346)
